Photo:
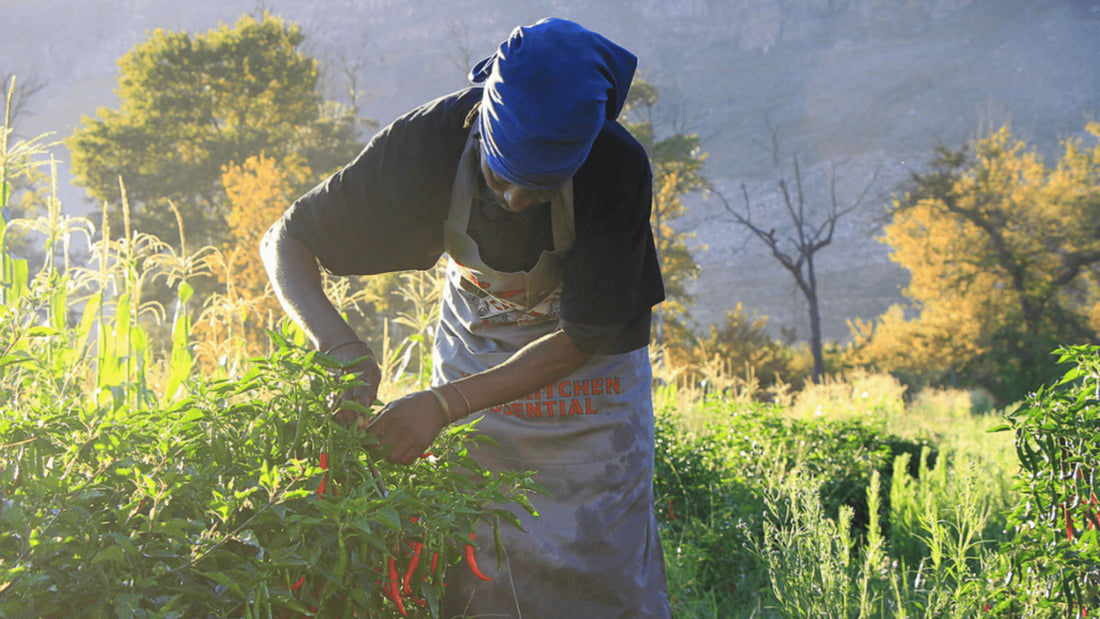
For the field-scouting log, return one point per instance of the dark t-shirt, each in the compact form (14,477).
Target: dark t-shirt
(385,211)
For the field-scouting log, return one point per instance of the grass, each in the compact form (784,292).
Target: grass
(933,522)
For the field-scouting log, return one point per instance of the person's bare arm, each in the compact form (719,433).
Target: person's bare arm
(294,274)
(411,423)
(544,361)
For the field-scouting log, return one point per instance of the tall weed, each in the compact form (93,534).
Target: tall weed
(857,395)
(810,558)
(819,569)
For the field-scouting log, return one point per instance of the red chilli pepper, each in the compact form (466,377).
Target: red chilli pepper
(472,562)
(390,590)
(1069,523)
(324,466)
(413,563)
(435,561)
(320,492)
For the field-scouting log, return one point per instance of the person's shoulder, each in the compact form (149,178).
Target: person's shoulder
(447,109)
(615,154)
(430,136)
(615,143)
(616,167)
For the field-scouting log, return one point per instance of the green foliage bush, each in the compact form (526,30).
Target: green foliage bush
(711,484)
(704,509)
(217,504)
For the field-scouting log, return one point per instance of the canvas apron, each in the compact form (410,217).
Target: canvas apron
(594,550)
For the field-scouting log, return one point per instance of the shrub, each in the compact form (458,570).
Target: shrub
(711,482)
(740,343)
(241,499)
(1055,555)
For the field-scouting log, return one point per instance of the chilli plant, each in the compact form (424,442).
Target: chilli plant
(1054,565)
(241,499)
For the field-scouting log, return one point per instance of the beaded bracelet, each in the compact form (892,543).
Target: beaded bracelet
(444,407)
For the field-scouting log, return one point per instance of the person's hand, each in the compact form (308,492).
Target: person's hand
(367,372)
(409,425)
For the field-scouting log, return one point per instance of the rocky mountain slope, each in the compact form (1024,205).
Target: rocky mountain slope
(868,87)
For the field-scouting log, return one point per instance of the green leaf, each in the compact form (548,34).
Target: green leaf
(110,553)
(91,310)
(59,302)
(13,359)
(16,277)
(182,360)
(184,292)
(192,414)
(389,518)
(1071,375)
(431,595)
(42,331)
(225,580)
(122,325)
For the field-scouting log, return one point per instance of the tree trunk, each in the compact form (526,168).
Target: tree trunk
(815,341)
(810,290)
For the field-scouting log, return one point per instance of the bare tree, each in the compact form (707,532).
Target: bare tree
(21,91)
(459,33)
(351,66)
(796,251)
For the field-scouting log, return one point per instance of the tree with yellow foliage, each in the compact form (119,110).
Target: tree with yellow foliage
(1004,254)
(236,312)
(242,306)
(259,190)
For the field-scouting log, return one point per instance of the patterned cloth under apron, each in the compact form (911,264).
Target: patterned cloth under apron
(593,551)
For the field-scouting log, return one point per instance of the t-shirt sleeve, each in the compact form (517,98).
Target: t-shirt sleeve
(612,339)
(384,211)
(612,277)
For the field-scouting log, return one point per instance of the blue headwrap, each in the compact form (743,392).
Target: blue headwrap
(548,91)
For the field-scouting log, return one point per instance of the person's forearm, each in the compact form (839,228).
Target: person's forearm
(293,271)
(540,363)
